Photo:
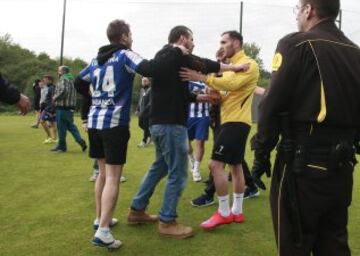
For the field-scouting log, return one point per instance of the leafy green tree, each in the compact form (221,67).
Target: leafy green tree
(253,50)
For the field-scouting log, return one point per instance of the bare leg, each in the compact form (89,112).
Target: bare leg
(110,193)
(199,150)
(237,178)
(52,130)
(217,169)
(190,152)
(46,129)
(99,186)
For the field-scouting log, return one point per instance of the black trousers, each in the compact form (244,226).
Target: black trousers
(144,125)
(210,185)
(324,195)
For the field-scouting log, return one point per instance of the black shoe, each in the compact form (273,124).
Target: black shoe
(57,150)
(83,145)
(202,201)
(251,192)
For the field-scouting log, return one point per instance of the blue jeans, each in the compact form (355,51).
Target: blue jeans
(64,122)
(171,159)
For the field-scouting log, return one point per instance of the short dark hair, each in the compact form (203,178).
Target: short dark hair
(177,32)
(233,34)
(116,29)
(325,8)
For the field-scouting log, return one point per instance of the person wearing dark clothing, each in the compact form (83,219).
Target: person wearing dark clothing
(10,95)
(144,111)
(36,103)
(313,104)
(47,108)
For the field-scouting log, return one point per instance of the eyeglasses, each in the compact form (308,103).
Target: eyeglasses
(298,8)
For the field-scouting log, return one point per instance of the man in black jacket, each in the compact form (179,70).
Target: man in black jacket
(10,95)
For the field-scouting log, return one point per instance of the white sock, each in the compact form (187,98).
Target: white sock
(102,232)
(224,207)
(237,203)
(97,221)
(196,166)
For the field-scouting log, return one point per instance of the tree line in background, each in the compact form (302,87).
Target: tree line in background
(22,66)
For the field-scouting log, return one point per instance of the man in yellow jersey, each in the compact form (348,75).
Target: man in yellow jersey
(237,91)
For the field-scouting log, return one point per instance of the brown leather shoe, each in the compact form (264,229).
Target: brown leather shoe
(141,217)
(175,230)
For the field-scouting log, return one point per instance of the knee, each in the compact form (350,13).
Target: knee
(213,166)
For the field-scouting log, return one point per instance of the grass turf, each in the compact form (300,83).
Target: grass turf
(47,204)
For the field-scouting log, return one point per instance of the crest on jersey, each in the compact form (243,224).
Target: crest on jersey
(277,61)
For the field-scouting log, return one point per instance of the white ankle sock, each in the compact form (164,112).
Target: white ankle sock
(224,207)
(237,203)
(196,166)
(97,221)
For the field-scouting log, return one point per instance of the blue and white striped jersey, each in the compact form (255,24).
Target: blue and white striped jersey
(111,89)
(198,109)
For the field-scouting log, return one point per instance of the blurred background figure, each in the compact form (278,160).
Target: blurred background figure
(47,116)
(144,111)
(36,103)
(10,95)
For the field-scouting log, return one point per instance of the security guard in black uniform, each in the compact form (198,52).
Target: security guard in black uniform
(313,105)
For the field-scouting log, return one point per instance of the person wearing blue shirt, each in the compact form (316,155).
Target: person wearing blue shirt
(198,129)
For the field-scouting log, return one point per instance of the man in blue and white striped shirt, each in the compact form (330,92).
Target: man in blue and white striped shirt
(198,129)
(109,77)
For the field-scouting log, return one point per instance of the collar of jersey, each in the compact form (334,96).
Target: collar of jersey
(237,56)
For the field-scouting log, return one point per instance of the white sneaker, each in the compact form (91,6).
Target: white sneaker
(196,175)
(122,179)
(106,239)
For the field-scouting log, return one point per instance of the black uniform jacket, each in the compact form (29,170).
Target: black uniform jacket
(316,79)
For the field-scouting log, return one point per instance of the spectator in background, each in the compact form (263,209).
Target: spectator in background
(47,117)
(65,103)
(144,111)
(198,129)
(36,103)
(10,95)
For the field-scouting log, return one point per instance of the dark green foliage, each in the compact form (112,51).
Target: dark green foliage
(253,50)
(21,66)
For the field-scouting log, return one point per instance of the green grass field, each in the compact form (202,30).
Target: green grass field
(47,204)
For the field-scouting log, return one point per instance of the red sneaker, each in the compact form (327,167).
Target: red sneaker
(216,220)
(238,218)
